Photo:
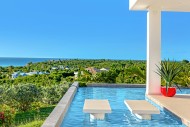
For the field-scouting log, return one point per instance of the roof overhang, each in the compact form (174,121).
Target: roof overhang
(163,5)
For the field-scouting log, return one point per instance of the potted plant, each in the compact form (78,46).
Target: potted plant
(168,71)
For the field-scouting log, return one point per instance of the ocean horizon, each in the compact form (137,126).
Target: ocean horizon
(13,61)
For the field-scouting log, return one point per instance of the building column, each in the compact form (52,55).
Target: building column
(153,80)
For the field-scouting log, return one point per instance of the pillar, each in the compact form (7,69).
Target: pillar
(153,80)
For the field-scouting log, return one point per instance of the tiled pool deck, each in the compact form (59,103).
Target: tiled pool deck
(179,105)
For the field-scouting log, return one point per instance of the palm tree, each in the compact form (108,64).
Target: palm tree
(138,72)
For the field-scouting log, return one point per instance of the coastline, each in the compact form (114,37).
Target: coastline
(16,62)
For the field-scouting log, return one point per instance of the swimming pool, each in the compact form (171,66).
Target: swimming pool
(120,116)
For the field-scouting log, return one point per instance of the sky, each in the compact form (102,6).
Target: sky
(88,29)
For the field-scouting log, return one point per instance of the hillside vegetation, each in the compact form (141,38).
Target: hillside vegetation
(30,99)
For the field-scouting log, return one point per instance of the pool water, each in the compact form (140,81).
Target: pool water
(120,116)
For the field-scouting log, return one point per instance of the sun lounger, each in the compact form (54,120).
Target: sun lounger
(97,108)
(141,108)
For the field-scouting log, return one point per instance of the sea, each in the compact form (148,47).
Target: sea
(5,62)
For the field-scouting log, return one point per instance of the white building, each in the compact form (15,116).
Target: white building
(61,67)
(76,74)
(67,68)
(15,75)
(54,68)
(32,73)
(104,69)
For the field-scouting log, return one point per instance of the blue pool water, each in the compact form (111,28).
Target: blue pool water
(120,116)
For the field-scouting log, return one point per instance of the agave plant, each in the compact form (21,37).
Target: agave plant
(168,71)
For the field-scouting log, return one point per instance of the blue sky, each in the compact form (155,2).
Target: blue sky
(86,29)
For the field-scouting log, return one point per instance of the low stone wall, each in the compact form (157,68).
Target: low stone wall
(116,85)
(56,117)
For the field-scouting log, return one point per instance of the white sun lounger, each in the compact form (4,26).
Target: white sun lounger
(141,108)
(97,108)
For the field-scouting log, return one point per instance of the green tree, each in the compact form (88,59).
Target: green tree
(185,61)
(25,95)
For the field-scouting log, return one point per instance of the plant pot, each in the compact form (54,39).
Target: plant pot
(171,91)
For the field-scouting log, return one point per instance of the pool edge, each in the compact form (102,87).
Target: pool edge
(161,106)
(113,85)
(59,112)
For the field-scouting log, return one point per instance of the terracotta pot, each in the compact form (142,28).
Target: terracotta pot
(171,91)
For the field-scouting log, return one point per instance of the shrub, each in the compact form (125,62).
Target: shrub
(9,97)
(2,91)
(33,124)
(53,94)
(37,105)
(185,61)
(82,84)
(69,79)
(8,115)
(25,95)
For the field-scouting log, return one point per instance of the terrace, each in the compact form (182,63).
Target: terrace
(154,8)
(173,105)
